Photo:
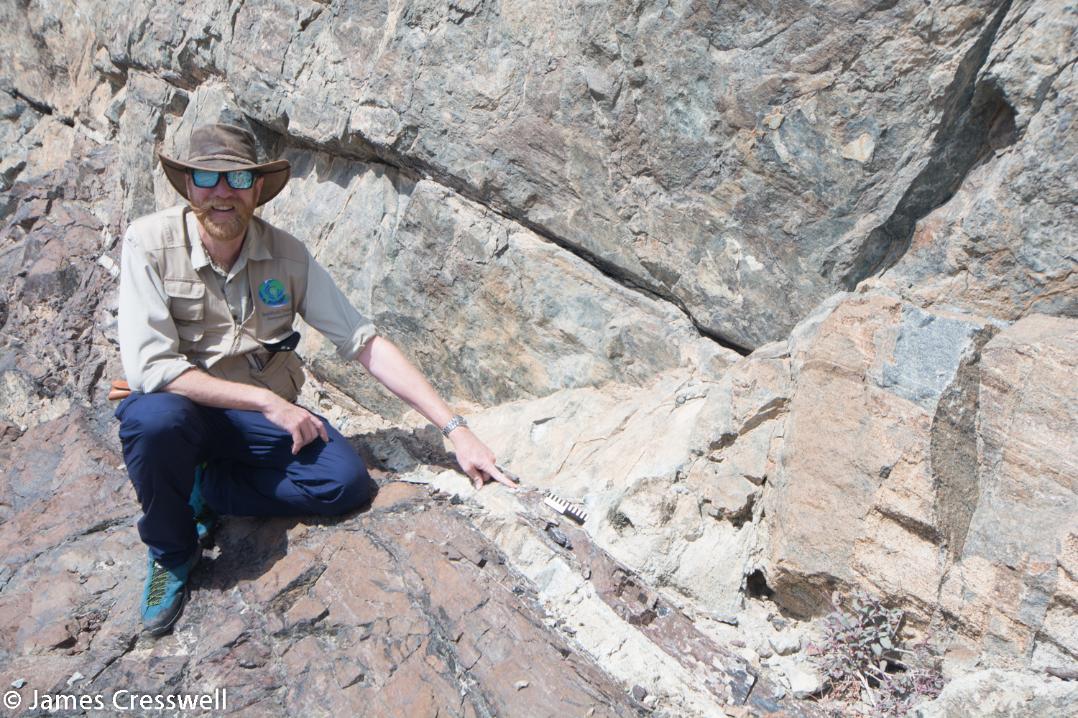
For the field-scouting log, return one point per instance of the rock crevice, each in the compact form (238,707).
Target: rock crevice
(977,120)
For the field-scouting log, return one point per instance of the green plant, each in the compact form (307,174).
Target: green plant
(865,669)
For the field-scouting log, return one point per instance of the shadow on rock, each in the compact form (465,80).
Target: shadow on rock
(250,547)
(400,450)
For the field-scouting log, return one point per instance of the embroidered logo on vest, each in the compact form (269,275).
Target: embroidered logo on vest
(272,293)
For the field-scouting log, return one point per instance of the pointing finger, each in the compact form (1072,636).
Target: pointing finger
(491,472)
(512,477)
(495,472)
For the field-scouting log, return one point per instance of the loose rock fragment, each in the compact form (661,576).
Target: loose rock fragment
(804,681)
(785,643)
(558,537)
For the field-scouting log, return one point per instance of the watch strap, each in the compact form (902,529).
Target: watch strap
(456,421)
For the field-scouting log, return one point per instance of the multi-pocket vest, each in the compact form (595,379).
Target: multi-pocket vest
(208,335)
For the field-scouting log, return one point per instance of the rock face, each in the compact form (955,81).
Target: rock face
(743,162)
(484,284)
(1002,246)
(577,218)
(871,374)
(884,446)
(58,330)
(686,146)
(937,481)
(1027,448)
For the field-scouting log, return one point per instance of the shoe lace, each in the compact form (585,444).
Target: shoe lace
(158,584)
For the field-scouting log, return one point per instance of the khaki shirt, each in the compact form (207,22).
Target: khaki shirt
(149,341)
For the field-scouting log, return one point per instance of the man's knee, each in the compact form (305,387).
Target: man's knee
(357,488)
(156,419)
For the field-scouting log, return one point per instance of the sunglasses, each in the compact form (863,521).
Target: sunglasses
(237,179)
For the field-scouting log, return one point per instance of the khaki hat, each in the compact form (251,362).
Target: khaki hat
(223,148)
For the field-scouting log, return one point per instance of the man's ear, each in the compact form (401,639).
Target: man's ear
(258,188)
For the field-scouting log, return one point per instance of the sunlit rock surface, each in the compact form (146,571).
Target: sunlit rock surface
(578,219)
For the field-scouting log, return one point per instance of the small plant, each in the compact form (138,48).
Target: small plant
(863,664)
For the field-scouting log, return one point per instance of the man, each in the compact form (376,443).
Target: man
(208,296)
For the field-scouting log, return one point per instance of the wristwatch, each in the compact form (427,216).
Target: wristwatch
(454,422)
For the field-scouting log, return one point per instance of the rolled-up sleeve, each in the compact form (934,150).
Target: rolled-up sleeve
(149,344)
(327,309)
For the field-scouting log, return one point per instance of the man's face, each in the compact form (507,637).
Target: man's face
(222,211)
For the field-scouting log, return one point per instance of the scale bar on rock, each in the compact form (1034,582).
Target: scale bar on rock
(563,507)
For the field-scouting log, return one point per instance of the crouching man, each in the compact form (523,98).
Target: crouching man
(208,297)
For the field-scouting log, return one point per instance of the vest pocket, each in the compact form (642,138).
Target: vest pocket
(188,332)
(283,375)
(186,300)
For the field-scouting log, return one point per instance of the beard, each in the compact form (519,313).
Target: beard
(233,227)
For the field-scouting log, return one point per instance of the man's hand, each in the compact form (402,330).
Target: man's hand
(201,388)
(388,365)
(476,459)
(304,426)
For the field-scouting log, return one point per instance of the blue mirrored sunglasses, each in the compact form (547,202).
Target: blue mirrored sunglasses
(237,179)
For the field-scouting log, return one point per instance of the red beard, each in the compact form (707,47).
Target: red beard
(232,227)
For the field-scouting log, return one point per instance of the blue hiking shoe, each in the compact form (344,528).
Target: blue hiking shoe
(164,594)
(205,517)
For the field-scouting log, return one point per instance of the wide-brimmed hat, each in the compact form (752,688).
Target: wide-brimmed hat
(223,148)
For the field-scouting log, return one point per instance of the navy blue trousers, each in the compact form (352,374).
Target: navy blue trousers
(250,469)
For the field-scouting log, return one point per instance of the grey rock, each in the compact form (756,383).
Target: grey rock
(1004,244)
(491,311)
(927,353)
(559,537)
(785,643)
(697,186)
(1002,694)
(746,174)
